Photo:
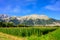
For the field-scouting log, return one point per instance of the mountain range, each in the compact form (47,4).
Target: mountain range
(30,20)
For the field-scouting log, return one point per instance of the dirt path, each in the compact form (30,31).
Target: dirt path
(9,37)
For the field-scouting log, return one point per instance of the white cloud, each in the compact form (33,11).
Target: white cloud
(17,9)
(54,7)
(51,7)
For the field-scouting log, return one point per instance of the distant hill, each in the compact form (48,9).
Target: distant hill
(31,20)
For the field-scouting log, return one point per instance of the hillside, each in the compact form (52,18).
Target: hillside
(30,33)
(31,20)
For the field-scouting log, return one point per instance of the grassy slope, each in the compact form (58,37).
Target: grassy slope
(9,37)
(55,35)
(52,36)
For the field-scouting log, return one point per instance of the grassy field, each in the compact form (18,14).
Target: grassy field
(55,35)
(4,36)
(34,33)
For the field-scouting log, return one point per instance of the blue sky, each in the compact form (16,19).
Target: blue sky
(50,8)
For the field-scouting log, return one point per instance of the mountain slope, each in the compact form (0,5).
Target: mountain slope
(33,20)
(38,20)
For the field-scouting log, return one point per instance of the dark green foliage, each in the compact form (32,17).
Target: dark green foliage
(2,24)
(47,31)
(6,24)
(10,24)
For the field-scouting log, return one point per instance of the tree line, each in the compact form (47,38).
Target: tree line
(10,24)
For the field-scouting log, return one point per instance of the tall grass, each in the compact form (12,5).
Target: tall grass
(26,31)
(55,35)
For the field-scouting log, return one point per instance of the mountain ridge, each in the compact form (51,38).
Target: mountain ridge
(31,20)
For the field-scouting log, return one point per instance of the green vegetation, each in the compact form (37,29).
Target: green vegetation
(55,35)
(6,24)
(27,31)
(11,24)
(30,33)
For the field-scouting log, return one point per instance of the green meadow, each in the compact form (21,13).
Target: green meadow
(33,33)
